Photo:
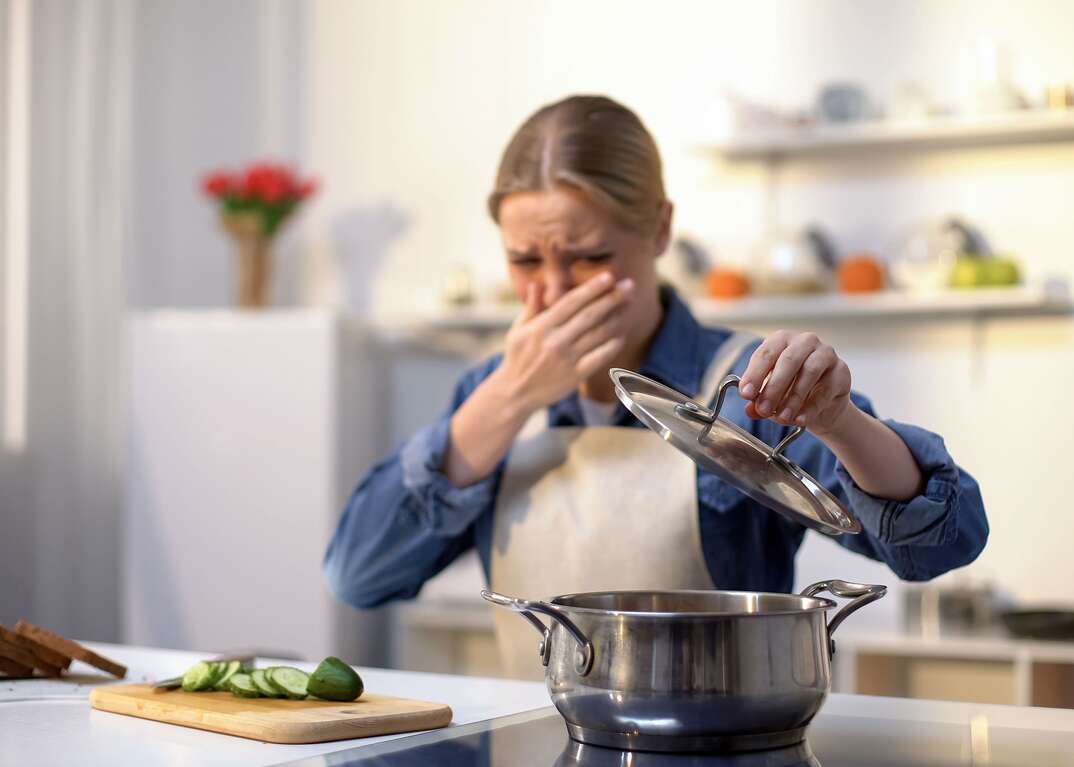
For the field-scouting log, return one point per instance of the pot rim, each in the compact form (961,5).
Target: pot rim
(821,604)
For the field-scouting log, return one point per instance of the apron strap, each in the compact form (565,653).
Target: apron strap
(535,424)
(722,361)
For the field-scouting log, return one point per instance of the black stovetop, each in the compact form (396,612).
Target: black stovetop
(539,739)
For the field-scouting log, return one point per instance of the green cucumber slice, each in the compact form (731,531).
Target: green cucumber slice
(263,686)
(335,680)
(243,686)
(199,677)
(219,668)
(288,680)
(230,669)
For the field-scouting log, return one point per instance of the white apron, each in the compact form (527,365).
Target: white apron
(595,508)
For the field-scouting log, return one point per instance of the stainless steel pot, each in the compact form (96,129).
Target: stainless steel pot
(689,670)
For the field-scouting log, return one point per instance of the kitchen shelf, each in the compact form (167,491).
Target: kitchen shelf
(1027,127)
(835,306)
(1050,299)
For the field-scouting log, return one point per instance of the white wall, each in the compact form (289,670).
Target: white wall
(411,102)
(217,85)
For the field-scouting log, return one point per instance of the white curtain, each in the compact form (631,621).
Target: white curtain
(61,489)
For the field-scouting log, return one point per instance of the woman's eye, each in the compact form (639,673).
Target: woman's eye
(597,258)
(526,263)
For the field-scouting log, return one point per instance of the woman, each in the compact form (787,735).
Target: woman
(559,487)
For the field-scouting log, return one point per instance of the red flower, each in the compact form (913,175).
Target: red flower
(270,191)
(269,183)
(218,184)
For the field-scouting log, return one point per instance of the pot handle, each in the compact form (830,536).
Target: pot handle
(583,659)
(860,593)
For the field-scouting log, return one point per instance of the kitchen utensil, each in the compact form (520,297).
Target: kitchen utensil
(995,91)
(689,670)
(717,445)
(685,266)
(924,260)
(799,262)
(932,610)
(842,103)
(1040,624)
(271,719)
(176,682)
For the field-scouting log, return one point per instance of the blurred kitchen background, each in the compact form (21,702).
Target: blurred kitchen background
(897,175)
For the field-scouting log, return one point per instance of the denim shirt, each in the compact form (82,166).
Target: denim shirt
(406,522)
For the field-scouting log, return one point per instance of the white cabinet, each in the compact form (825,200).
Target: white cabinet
(974,669)
(247,432)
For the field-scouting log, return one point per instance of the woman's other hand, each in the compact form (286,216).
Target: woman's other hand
(807,383)
(550,351)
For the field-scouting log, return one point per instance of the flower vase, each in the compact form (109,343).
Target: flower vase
(254,259)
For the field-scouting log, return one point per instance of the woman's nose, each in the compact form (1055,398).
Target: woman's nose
(556,283)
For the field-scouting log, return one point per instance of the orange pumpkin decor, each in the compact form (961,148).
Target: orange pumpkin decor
(861,273)
(726,284)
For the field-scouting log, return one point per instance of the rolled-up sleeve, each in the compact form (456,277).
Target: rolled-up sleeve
(444,509)
(942,528)
(405,522)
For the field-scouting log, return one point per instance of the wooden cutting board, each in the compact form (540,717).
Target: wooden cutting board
(274,720)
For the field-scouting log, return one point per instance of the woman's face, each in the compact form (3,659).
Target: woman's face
(559,238)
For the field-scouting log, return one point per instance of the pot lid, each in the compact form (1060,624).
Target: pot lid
(717,445)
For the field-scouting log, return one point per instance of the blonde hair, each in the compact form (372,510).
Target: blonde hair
(591,143)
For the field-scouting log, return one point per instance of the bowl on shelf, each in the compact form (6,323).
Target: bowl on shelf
(1049,624)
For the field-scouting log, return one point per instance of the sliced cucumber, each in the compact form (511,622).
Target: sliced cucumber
(263,686)
(243,685)
(230,669)
(199,677)
(288,680)
(219,669)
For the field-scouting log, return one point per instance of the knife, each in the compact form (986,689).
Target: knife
(177,681)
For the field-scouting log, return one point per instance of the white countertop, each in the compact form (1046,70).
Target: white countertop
(49,721)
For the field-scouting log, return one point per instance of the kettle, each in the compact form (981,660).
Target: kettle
(798,262)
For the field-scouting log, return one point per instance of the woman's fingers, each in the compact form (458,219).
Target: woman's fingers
(599,358)
(785,370)
(796,379)
(594,314)
(815,365)
(531,306)
(575,299)
(761,364)
(831,390)
(594,337)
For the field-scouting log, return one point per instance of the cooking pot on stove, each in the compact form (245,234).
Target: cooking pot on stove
(689,670)
(699,670)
